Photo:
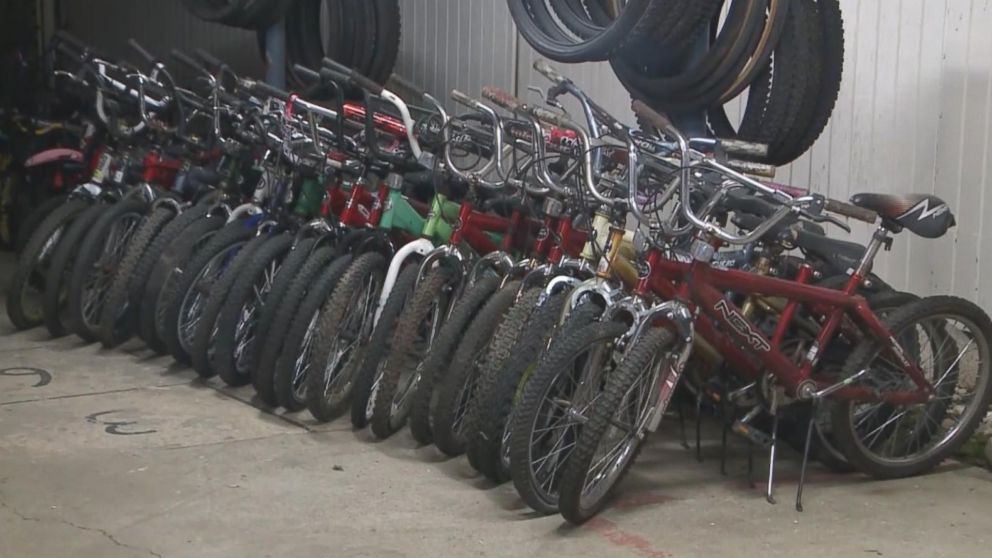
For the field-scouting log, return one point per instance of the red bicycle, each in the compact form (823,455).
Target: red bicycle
(910,393)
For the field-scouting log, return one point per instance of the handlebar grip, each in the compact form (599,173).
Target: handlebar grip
(547,71)
(266,89)
(502,98)
(463,99)
(744,148)
(183,58)
(208,59)
(750,167)
(407,86)
(141,51)
(852,211)
(653,117)
(549,117)
(306,73)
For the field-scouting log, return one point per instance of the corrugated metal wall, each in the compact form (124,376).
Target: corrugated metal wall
(913,115)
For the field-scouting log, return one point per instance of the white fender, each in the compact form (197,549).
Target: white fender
(243,209)
(420,246)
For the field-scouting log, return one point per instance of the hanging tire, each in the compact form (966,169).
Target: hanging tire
(100,254)
(27,286)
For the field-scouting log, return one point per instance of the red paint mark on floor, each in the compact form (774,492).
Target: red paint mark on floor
(640,499)
(620,537)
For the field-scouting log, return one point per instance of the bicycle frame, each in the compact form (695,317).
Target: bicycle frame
(701,287)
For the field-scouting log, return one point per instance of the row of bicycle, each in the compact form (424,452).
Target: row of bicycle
(533,291)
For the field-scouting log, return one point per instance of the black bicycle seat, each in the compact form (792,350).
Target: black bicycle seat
(923,214)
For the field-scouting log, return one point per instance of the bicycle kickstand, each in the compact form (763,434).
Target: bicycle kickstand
(806,447)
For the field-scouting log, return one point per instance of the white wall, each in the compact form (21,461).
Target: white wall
(913,114)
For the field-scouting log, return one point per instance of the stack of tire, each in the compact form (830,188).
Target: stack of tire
(683,58)
(361,34)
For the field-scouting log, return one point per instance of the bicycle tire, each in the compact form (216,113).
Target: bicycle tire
(291,266)
(57,278)
(288,374)
(202,350)
(225,362)
(32,265)
(599,418)
(579,329)
(379,346)
(456,389)
(263,374)
(366,271)
(118,319)
(406,351)
(170,252)
(861,358)
(439,356)
(167,322)
(124,218)
(515,348)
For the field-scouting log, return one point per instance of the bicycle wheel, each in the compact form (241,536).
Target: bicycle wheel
(344,326)
(57,279)
(100,255)
(437,360)
(515,349)
(455,392)
(293,366)
(545,424)
(238,318)
(118,318)
(27,286)
(949,339)
(416,330)
(188,296)
(203,350)
(379,346)
(168,256)
(615,428)
(264,371)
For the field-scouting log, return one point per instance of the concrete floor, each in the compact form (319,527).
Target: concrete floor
(120,454)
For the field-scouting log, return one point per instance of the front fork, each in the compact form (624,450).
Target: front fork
(419,247)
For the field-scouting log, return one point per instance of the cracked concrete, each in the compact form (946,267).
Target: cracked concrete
(123,454)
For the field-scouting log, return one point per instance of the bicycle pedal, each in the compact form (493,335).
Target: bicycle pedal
(753,435)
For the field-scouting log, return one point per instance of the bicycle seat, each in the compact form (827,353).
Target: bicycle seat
(923,214)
